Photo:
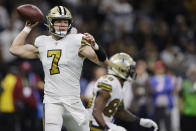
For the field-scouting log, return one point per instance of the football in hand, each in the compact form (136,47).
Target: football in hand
(30,13)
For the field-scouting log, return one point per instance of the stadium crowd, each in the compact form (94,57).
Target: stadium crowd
(159,34)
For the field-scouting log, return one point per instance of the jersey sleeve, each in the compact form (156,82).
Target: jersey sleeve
(104,83)
(38,41)
(82,41)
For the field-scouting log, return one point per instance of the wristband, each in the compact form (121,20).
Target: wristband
(101,54)
(95,47)
(27,29)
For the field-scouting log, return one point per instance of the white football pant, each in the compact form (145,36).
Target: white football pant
(73,116)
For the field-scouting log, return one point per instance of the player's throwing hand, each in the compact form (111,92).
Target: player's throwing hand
(30,24)
(89,38)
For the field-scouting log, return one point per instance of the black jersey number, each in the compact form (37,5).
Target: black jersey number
(56,54)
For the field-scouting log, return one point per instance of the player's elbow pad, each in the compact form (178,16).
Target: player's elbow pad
(101,54)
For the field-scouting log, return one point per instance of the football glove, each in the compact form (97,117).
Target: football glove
(148,123)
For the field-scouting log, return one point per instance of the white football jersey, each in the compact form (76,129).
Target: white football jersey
(62,66)
(111,84)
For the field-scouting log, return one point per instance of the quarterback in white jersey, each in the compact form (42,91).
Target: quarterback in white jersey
(62,55)
(108,96)
(61,64)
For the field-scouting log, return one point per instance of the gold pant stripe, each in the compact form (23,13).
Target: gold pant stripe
(95,129)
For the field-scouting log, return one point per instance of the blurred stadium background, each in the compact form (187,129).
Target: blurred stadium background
(158,34)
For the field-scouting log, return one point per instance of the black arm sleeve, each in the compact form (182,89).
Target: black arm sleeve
(101,54)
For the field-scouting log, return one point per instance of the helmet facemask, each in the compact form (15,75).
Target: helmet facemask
(132,73)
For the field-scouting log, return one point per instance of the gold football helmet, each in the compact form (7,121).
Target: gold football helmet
(59,12)
(123,66)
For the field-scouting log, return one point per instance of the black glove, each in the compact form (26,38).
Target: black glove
(106,128)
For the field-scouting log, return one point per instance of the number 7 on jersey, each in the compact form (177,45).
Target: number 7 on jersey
(56,54)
